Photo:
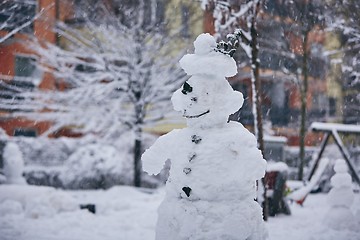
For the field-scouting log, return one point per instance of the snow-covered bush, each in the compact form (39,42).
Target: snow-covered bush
(93,166)
(13,164)
(46,152)
(47,162)
(44,176)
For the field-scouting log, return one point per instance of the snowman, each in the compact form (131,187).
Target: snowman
(13,164)
(340,199)
(214,163)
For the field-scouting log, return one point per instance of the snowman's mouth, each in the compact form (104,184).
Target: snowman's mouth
(196,116)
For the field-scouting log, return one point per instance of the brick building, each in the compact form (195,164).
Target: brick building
(17,61)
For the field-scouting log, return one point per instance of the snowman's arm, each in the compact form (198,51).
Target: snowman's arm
(255,161)
(155,157)
(248,141)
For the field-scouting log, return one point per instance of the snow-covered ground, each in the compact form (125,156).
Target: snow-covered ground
(127,213)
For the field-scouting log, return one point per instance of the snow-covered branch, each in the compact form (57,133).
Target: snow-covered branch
(14,22)
(113,76)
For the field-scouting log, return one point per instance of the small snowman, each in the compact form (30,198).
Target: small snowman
(214,163)
(13,164)
(340,199)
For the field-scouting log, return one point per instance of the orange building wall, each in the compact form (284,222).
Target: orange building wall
(10,48)
(9,125)
(43,27)
(8,53)
(208,24)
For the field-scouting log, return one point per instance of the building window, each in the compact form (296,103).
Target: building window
(24,66)
(25,132)
(320,102)
(320,106)
(332,106)
(14,14)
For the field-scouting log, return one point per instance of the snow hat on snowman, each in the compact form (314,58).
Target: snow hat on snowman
(207,98)
(206,60)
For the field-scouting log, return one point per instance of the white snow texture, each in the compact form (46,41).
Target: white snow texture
(214,164)
(34,201)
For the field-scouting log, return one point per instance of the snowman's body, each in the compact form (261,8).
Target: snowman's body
(340,198)
(208,162)
(214,163)
(213,167)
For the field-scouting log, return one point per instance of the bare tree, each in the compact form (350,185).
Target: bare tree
(118,75)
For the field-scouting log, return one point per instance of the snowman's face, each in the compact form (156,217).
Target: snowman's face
(205,102)
(195,102)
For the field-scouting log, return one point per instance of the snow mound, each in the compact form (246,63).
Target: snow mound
(10,207)
(35,201)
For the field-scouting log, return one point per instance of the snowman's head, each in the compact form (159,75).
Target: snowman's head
(206,102)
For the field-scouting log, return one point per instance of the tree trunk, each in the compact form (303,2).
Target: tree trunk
(137,159)
(139,113)
(304,90)
(256,91)
(256,83)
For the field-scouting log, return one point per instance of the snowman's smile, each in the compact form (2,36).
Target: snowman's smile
(196,116)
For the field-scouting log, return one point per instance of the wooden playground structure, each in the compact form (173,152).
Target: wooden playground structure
(276,182)
(333,130)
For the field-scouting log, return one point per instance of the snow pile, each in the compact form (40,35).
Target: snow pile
(214,164)
(34,201)
(10,207)
(92,166)
(13,164)
(340,199)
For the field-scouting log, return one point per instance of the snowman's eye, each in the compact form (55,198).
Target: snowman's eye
(186,88)
(194,99)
